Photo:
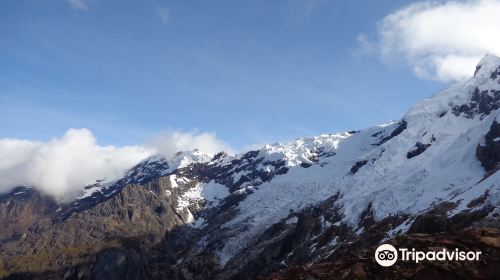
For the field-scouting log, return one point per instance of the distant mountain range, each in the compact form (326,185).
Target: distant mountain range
(315,207)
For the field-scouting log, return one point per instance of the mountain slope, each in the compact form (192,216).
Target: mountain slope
(200,216)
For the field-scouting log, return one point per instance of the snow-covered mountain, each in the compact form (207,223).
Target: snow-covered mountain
(303,202)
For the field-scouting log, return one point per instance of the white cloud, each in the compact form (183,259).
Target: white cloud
(80,5)
(365,47)
(439,40)
(170,142)
(304,8)
(62,166)
(162,11)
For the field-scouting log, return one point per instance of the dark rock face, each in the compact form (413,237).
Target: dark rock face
(482,103)
(118,264)
(22,210)
(198,267)
(419,148)
(478,67)
(436,219)
(355,168)
(146,171)
(401,127)
(495,74)
(130,219)
(219,156)
(489,153)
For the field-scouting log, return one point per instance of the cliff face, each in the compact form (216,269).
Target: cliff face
(488,153)
(21,210)
(132,221)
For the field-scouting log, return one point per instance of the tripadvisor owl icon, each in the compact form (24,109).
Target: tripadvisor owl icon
(386,255)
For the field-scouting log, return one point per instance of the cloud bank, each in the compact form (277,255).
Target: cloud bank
(441,40)
(62,166)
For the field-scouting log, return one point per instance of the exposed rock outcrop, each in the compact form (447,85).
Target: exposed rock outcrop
(488,153)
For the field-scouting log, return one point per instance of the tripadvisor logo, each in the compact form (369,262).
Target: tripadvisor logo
(387,255)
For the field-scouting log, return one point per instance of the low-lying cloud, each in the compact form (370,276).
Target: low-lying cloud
(62,166)
(441,40)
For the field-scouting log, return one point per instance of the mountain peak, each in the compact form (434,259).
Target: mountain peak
(489,65)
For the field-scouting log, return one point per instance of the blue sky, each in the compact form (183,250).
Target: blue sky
(250,71)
